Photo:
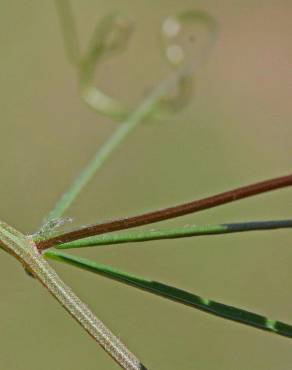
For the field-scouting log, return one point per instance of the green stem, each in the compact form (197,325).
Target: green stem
(136,117)
(24,249)
(182,232)
(215,308)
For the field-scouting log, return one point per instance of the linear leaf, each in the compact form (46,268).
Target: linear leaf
(181,296)
(182,232)
(169,212)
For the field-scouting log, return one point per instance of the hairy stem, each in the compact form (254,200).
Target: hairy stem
(24,249)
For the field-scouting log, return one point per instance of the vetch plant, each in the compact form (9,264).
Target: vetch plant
(111,35)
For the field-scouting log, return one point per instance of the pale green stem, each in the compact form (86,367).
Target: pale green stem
(25,250)
(136,117)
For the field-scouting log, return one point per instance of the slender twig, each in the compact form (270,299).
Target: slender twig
(105,104)
(181,296)
(175,233)
(24,249)
(136,117)
(168,213)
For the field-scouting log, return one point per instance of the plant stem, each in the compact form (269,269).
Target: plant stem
(103,154)
(182,232)
(168,213)
(25,250)
(136,117)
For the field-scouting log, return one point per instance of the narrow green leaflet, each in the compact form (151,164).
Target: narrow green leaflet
(178,295)
(182,232)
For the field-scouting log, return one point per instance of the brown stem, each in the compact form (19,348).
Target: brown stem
(167,213)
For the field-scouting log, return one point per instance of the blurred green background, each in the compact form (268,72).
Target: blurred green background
(236,130)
